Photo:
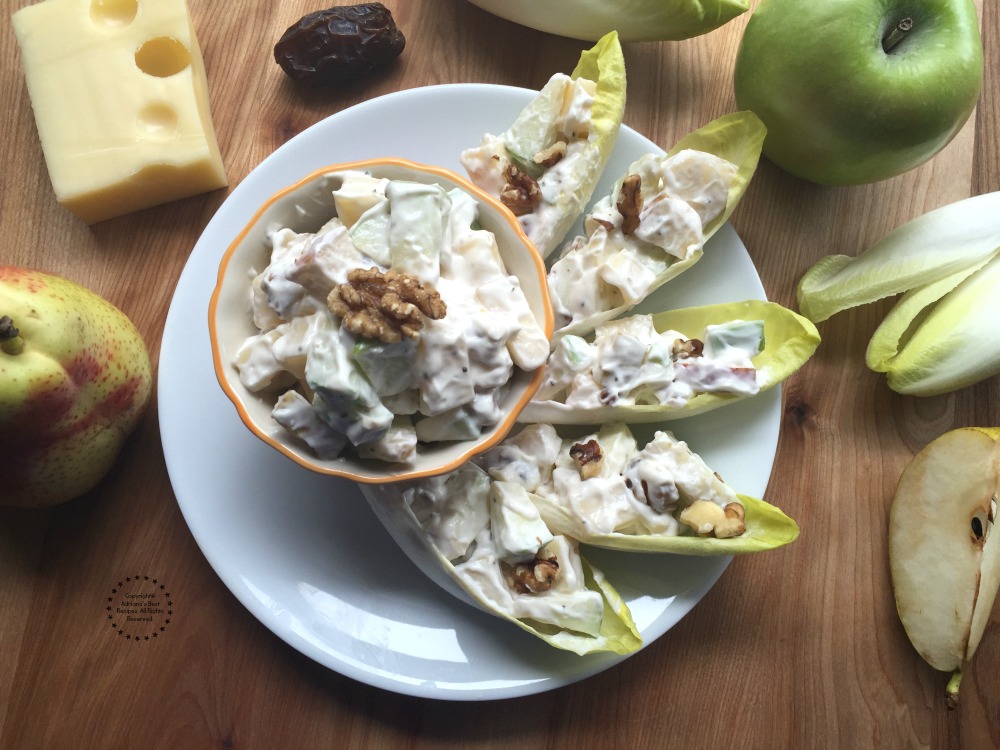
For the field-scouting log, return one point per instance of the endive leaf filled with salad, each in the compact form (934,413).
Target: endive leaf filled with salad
(654,223)
(545,166)
(941,335)
(604,490)
(652,368)
(486,542)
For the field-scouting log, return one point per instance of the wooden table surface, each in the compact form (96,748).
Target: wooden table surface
(796,648)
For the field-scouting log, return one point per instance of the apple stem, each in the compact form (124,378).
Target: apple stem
(898,32)
(951,692)
(10,337)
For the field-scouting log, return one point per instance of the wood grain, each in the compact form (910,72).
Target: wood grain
(798,648)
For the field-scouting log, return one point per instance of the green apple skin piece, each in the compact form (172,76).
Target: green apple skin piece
(74,382)
(944,554)
(839,109)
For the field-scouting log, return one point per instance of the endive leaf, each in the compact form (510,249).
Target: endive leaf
(957,344)
(604,64)
(736,138)
(619,633)
(906,314)
(536,128)
(789,339)
(929,248)
(422,543)
(767,528)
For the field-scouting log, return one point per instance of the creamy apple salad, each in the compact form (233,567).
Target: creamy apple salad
(502,551)
(629,362)
(396,323)
(604,483)
(651,227)
(507,524)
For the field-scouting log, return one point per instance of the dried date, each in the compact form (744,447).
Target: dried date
(339,45)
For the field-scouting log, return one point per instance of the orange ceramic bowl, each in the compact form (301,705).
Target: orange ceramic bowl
(305,207)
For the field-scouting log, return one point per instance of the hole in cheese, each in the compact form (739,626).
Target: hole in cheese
(157,121)
(113,13)
(162,57)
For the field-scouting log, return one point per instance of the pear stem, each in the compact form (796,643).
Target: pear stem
(951,692)
(898,32)
(10,337)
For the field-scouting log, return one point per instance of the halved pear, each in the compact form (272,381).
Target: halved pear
(943,555)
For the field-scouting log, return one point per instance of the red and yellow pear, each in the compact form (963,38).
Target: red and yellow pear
(75,379)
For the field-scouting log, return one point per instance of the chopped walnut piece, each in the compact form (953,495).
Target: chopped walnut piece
(384,306)
(735,521)
(521,193)
(685,348)
(588,458)
(606,224)
(630,203)
(709,519)
(533,576)
(550,156)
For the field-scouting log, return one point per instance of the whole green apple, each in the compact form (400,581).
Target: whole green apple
(855,91)
(75,378)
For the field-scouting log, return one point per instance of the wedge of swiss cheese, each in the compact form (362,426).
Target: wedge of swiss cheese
(121,103)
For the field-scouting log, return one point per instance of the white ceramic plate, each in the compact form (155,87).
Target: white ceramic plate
(305,554)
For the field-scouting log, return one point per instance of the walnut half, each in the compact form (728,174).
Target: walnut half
(384,306)
(520,192)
